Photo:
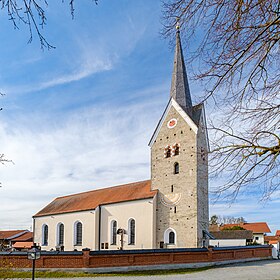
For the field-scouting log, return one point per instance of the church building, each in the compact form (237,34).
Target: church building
(168,211)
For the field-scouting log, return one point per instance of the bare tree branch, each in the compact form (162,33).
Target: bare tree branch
(32,14)
(237,58)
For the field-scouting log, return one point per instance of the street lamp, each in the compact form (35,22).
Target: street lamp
(33,254)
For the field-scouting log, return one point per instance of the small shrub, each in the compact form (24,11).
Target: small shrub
(234,228)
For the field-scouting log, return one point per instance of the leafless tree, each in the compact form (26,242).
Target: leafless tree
(236,56)
(32,13)
(3,159)
(219,220)
(231,220)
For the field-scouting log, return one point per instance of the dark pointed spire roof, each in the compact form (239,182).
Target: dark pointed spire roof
(179,86)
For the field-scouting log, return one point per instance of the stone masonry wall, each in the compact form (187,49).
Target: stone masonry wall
(202,182)
(184,221)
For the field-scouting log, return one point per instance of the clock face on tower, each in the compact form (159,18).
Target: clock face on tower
(172,123)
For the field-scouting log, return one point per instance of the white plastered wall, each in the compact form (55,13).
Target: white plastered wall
(142,211)
(259,238)
(87,218)
(227,242)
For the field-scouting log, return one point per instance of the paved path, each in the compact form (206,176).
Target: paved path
(261,270)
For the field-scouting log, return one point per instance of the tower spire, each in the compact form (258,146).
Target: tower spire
(179,86)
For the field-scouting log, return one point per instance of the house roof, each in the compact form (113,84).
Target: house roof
(214,228)
(27,236)
(271,238)
(10,234)
(233,234)
(92,199)
(277,232)
(23,245)
(260,227)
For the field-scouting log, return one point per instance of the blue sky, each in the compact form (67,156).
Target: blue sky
(79,117)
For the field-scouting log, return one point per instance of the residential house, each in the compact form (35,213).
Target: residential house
(226,238)
(274,240)
(259,229)
(7,236)
(23,242)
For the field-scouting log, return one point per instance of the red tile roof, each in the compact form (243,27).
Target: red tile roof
(92,199)
(23,245)
(260,227)
(277,232)
(214,228)
(8,234)
(28,236)
(271,238)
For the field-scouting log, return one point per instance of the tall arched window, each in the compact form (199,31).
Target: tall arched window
(113,232)
(60,234)
(131,232)
(45,235)
(78,234)
(170,236)
(176,168)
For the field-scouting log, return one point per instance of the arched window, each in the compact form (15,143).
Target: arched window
(78,234)
(176,150)
(60,234)
(167,152)
(170,236)
(45,235)
(131,232)
(176,168)
(113,232)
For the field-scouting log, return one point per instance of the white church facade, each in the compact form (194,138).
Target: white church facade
(168,211)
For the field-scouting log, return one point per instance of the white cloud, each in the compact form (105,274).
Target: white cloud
(90,148)
(86,66)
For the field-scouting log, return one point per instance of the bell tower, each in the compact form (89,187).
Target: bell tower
(179,166)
